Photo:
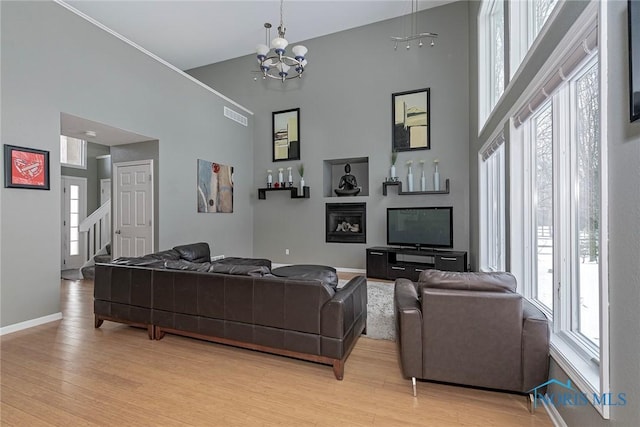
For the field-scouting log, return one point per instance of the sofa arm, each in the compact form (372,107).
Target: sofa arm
(408,327)
(535,347)
(345,308)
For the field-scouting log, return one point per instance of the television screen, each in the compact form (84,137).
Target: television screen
(429,227)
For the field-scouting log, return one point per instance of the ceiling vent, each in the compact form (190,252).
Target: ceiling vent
(235,116)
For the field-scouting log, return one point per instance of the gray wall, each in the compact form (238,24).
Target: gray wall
(147,150)
(91,173)
(345,111)
(53,61)
(624,205)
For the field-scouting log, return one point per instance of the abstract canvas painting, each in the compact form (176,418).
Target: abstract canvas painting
(26,168)
(215,187)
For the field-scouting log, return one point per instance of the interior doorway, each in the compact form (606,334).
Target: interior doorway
(74,210)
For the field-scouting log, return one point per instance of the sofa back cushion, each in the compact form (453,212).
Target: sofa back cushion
(194,252)
(488,282)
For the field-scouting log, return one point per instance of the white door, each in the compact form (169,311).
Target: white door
(74,210)
(105,191)
(133,208)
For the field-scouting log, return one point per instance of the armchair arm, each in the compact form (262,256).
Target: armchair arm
(535,346)
(408,327)
(348,305)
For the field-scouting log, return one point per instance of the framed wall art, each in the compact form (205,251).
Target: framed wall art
(26,168)
(215,187)
(286,135)
(411,120)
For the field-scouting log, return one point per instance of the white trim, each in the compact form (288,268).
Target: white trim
(605,384)
(553,413)
(30,323)
(104,156)
(338,269)
(351,270)
(151,55)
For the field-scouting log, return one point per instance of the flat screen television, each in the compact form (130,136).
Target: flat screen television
(423,227)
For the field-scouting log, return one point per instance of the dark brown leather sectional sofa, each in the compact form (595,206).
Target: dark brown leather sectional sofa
(233,302)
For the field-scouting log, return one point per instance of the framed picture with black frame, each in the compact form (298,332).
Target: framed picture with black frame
(633,15)
(26,168)
(286,135)
(411,120)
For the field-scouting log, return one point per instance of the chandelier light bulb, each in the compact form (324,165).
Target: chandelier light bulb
(433,43)
(299,51)
(408,46)
(262,50)
(279,44)
(420,44)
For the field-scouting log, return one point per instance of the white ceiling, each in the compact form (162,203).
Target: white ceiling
(78,127)
(189,34)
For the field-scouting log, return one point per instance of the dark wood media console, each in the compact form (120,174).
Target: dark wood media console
(392,263)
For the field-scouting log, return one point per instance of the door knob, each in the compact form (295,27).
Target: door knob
(117,231)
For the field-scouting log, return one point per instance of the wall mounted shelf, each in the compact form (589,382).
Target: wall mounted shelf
(407,193)
(262,192)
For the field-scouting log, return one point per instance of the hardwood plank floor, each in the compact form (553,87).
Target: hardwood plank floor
(67,373)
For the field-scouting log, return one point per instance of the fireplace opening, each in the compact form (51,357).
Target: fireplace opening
(346,222)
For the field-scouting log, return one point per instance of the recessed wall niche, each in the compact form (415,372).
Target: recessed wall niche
(334,169)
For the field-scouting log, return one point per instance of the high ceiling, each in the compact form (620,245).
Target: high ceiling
(189,34)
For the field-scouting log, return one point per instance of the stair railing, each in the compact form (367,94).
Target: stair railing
(96,229)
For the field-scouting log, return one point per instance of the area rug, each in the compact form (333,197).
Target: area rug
(380,317)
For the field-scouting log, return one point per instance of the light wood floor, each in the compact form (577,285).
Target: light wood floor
(68,373)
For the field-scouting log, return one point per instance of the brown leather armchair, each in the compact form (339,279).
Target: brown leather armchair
(472,329)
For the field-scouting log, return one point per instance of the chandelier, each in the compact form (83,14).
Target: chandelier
(414,36)
(276,64)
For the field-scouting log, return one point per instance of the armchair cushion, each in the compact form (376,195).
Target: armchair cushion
(490,282)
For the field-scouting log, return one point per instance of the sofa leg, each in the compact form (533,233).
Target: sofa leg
(338,369)
(413,383)
(151,330)
(158,333)
(531,402)
(97,322)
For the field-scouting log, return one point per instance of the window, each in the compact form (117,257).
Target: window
(73,152)
(74,220)
(541,128)
(492,200)
(585,236)
(563,182)
(527,19)
(491,50)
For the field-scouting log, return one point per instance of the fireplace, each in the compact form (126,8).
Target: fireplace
(346,222)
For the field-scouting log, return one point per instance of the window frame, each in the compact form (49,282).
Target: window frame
(486,59)
(522,36)
(585,363)
(492,189)
(83,153)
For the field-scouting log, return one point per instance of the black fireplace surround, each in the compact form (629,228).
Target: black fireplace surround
(346,223)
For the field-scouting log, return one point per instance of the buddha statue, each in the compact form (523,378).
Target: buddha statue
(348,185)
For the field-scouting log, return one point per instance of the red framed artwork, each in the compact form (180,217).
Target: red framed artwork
(26,168)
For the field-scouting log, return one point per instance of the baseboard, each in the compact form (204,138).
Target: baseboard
(350,270)
(555,416)
(338,269)
(30,323)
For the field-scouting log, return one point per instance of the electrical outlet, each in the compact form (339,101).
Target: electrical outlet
(286,251)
